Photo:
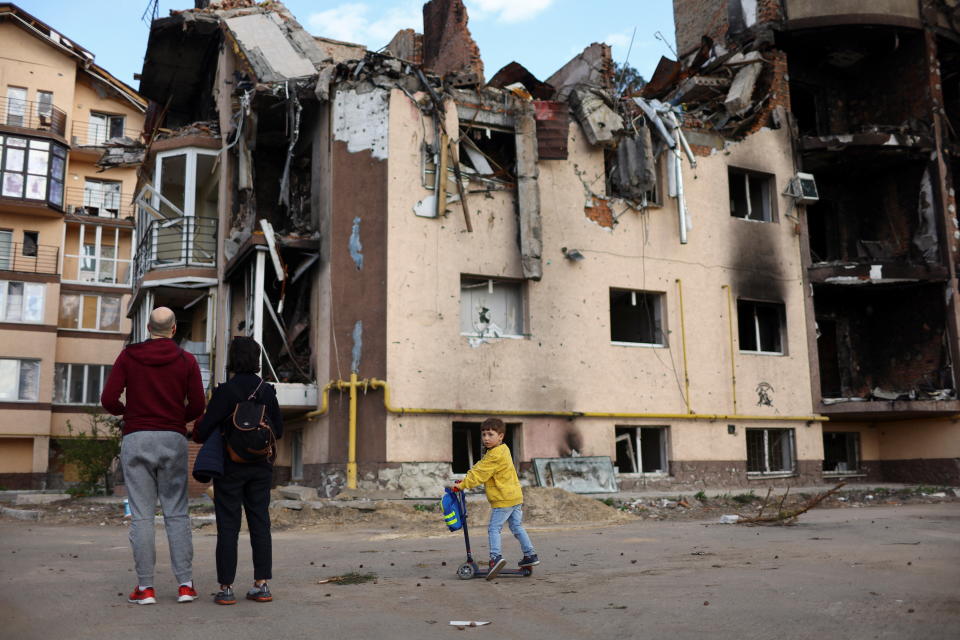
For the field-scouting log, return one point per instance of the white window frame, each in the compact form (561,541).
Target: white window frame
(68,368)
(767,194)
(6,249)
(16,105)
(98,258)
(99,123)
(34,289)
(792,441)
(96,194)
(490,283)
(635,442)
(16,391)
(659,297)
(44,106)
(99,298)
(189,230)
(781,328)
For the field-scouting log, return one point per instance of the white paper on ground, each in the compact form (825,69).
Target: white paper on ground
(467,623)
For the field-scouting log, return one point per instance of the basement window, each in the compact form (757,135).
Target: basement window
(751,195)
(468,449)
(491,307)
(641,449)
(841,452)
(770,451)
(636,318)
(489,152)
(761,326)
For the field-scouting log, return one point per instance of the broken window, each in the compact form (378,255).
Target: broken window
(761,327)
(32,169)
(79,383)
(636,317)
(89,312)
(751,195)
(19,380)
(45,107)
(21,301)
(841,452)
(101,198)
(188,180)
(641,449)
(103,127)
(491,307)
(770,450)
(30,243)
(488,151)
(468,449)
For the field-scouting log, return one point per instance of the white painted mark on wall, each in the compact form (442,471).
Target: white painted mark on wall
(360,120)
(357,346)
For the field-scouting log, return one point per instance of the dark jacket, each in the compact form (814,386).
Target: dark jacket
(222,403)
(163,385)
(208,464)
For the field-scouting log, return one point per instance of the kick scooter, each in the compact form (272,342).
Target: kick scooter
(469,569)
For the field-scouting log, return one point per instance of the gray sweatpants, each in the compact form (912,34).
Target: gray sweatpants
(155,465)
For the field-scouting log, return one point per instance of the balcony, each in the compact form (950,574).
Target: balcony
(88,134)
(99,202)
(26,114)
(176,243)
(32,258)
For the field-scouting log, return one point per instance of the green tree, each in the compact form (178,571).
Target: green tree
(627,80)
(93,451)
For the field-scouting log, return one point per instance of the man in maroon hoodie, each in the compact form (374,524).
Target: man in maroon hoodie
(164,393)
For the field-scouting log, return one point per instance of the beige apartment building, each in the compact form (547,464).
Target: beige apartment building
(66,239)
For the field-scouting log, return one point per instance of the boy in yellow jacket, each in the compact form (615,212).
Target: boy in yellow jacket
(495,471)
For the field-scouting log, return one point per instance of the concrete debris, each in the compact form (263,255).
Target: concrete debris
(295,492)
(40,498)
(21,514)
(592,68)
(596,113)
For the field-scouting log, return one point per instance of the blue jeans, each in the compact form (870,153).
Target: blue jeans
(513,516)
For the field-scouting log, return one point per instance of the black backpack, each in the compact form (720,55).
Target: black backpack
(248,434)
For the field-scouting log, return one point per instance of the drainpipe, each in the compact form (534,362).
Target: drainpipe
(733,367)
(683,342)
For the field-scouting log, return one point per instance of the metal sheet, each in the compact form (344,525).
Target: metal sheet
(590,474)
(553,129)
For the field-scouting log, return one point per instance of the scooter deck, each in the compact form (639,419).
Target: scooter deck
(470,570)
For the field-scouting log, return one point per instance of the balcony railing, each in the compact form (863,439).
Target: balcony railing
(86,134)
(28,114)
(34,259)
(176,242)
(104,203)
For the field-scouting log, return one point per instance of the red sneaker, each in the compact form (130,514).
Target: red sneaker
(147,596)
(187,594)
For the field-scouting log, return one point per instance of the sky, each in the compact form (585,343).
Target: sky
(542,35)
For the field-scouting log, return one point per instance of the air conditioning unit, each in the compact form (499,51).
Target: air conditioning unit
(803,188)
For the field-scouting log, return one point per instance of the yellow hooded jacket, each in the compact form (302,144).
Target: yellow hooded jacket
(496,473)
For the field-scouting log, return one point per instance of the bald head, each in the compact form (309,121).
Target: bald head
(162,323)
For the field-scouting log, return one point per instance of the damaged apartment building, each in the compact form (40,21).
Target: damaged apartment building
(871,94)
(419,247)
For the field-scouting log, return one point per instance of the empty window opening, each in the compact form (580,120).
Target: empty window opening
(761,327)
(751,195)
(296,455)
(468,449)
(488,151)
(636,317)
(31,240)
(491,307)
(641,449)
(841,452)
(770,451)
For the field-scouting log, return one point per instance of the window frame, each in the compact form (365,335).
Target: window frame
(767,452)
(5,298)
(19,379)
(22,105)
(491,283)
(98,259)
(79,325)
(93,129)
(101,195)
(635,442)
(69,368)
(659,298)
(56,155)
(781,309)
(768,192)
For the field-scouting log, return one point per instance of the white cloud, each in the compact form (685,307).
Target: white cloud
(507,10)
(618,40)
(357,22)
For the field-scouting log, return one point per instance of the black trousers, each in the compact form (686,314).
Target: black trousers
(249,487)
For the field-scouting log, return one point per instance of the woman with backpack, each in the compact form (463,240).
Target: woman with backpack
(244,412)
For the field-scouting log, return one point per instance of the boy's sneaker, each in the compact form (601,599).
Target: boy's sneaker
(529,561)
(225,596)
(260,593)
(187,594)
(496,564)
(146,596)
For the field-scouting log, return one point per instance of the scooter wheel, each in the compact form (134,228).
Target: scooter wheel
(466,571)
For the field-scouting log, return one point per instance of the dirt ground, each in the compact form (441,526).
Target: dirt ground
(542,506)
(884,572)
